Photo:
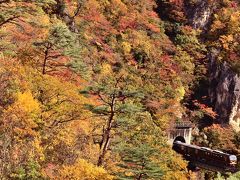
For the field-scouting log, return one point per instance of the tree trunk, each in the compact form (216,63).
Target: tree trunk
(140,176)
(45,61)
(105,141)
(106,135)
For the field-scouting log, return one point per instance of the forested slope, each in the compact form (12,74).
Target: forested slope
(89,88)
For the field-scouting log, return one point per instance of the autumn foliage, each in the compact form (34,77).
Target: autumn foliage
(88,88)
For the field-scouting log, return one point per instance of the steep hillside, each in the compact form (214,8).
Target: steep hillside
(89,88)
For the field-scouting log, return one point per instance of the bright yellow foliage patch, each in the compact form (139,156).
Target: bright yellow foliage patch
(27,102)
(83,170)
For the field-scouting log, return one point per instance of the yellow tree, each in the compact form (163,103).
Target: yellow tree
(83,170)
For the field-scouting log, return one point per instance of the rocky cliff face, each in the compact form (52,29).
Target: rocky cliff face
(224,92)
(199,13)
(224,84)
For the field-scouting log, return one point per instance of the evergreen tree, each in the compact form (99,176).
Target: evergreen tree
(143,150)
(57,45)
(140,148)
(117,94)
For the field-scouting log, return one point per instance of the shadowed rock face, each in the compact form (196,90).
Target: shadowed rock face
(199,13)
(224,83)
(224,92)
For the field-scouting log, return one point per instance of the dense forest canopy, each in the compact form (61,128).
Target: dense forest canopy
(89,88)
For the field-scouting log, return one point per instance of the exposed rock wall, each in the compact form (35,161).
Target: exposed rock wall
(224,84)
(224,91)
(199,14)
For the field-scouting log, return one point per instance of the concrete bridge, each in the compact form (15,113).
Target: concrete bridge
(181,131)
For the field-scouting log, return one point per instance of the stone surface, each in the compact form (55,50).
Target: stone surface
(224,91)
(224,83)
(182,130)
(199,14)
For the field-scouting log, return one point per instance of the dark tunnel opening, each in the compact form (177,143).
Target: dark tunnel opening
(180,138)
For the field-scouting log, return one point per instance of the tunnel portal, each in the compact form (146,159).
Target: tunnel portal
(180,138)
(181,131)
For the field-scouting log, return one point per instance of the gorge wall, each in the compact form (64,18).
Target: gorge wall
(199,13)
(224,91)
(222,88)
(224,83)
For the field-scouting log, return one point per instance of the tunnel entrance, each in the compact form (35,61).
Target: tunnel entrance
(181,131)
(180,138)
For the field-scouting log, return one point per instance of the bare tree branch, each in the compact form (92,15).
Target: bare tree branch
(9,20)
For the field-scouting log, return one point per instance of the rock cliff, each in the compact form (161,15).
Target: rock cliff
(224,83)
(199,13)
(224,91)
